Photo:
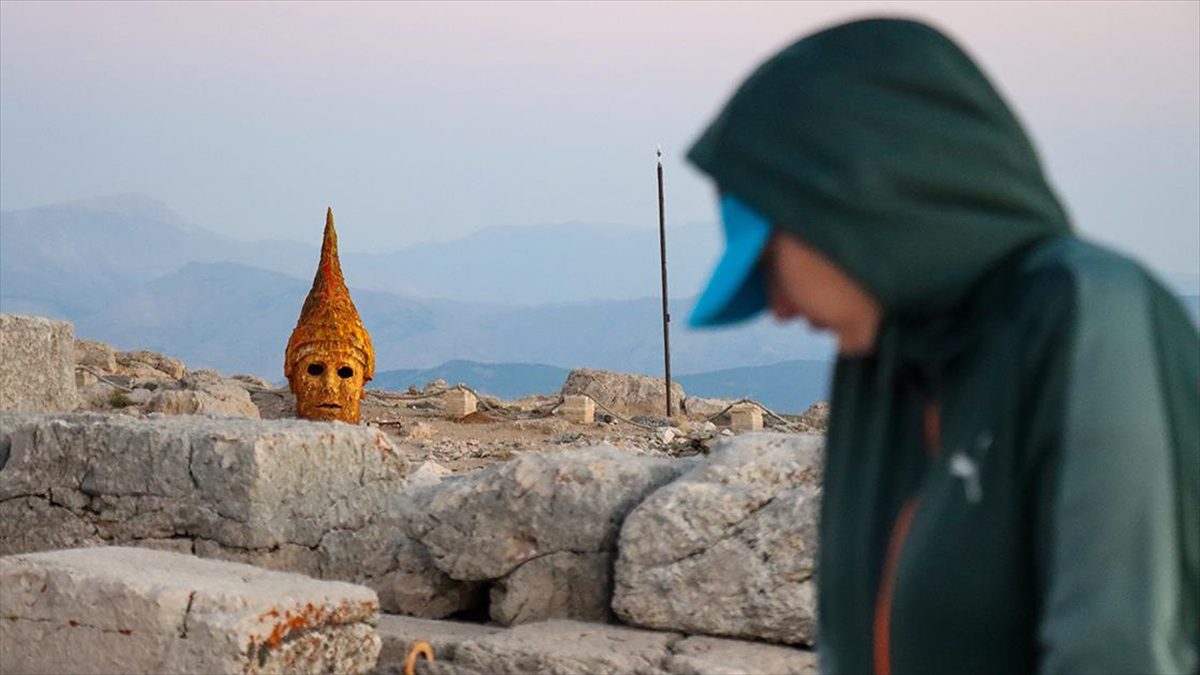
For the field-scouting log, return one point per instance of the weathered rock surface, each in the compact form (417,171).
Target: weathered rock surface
(204,392)
(626,394)
(573,647)
(322,499)
(483,525)
(37,364)
(704,408)
(700,655)
(400,633)
(96,355)
(563,585)
(147,364)
(567,647)
(728,548)
(130,610)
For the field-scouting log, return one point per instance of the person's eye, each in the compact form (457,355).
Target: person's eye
(315,368)
(345,372)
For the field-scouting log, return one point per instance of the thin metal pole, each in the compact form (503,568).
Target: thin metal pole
(662,246)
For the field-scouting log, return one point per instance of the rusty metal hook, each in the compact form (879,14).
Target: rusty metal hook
(418,648)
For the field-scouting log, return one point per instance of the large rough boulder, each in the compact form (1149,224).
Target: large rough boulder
(559,585)
(204,392)
(130,610)
(729,548)
(626,394)
(318,498)
(488,524)
(146,364)
(96,355)
(705,408)
(37,364)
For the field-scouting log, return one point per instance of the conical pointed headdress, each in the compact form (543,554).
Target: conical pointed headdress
(329,321)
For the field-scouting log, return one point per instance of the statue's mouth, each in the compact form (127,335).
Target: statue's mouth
(331,406)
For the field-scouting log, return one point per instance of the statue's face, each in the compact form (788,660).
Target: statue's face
(328,386)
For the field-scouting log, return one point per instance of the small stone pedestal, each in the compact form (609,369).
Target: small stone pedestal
(579,409)
(746,417)
(460,403)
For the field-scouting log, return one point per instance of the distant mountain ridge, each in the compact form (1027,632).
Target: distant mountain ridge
(787,387)
(130,272)
(130,238)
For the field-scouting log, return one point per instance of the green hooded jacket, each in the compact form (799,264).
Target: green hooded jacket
(1013,476)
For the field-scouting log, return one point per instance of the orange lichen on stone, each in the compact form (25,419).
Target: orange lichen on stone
(329,357)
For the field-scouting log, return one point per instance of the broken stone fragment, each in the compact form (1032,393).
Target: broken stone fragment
(624,393)
(96,355)
(729,548)
(483,525)
(563,585)
(133,610)
(149,365)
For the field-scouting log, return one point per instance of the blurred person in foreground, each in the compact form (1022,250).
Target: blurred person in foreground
(1013,462)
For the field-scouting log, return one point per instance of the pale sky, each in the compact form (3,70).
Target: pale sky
(422,122)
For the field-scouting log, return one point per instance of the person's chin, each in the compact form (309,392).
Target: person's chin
(854,347)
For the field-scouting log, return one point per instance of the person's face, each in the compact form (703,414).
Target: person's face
(803,283)
(328,386)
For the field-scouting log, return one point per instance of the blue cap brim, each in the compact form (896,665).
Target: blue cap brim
(736,291)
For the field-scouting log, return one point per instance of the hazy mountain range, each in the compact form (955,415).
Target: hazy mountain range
(128,271)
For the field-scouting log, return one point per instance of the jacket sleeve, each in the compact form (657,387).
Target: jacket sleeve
(1116,506)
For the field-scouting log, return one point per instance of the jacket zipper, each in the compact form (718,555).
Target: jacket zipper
(882,626)
(887,588)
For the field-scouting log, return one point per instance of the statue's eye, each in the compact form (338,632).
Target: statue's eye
(315,369)
(345,372)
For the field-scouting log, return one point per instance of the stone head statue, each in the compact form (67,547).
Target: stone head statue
(329,357)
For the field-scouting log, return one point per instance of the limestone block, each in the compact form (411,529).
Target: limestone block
(245,485)
(482,525)
(399,633)
(571,647)
(232,402)
(400,569)
(627,394)
(699,655)
(131,610)
(695,406)
(37,364)
(561,585)
(579,409)
(459,402)
(729,548)
(566,647)
(746,417)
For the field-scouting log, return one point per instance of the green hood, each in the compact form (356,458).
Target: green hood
(882,144)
